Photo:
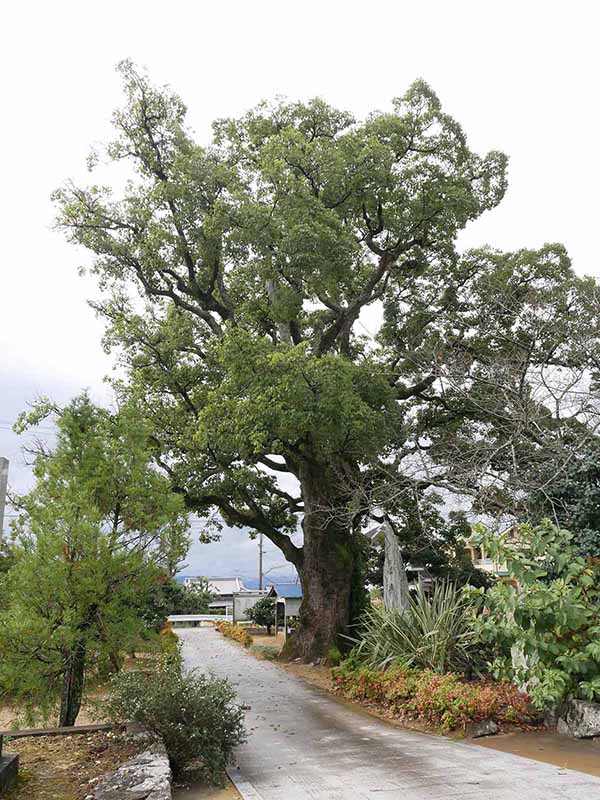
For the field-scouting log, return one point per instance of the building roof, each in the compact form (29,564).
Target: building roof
(288,590)
(225,585)
(222,586)
(268,591)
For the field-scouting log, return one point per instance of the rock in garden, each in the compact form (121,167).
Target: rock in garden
(579,719)
(144,777)
(485,727)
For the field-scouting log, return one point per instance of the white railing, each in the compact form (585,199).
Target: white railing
(200,618)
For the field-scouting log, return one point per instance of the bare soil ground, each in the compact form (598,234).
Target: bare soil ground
(318,675)
(550,747)
(259,635)
(68,767)
(10,717)
(202,792)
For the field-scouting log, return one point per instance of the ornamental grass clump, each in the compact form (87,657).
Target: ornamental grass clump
(436,631)
(195,715)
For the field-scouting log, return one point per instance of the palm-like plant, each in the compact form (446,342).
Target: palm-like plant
(436,631)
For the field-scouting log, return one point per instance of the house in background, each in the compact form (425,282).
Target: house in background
(289,595)
(245,600)
(482,561)
(233,598)
(223,590)
(289,600)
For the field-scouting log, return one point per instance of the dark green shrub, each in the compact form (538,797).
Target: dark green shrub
(334,656)
(544,625)
(195,714)
(263,613)
(167,596)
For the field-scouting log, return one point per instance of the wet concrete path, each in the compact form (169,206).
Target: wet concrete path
(303,743)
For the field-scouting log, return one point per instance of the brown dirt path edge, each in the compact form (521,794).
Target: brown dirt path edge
(203,792)
(549,747)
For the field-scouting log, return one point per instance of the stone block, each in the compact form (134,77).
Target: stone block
(579,719)
(9,769)
(485,727)
(144,777)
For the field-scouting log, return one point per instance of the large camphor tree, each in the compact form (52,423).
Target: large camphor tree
(304,337)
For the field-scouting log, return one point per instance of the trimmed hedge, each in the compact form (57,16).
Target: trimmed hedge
(446,701)
(235,632)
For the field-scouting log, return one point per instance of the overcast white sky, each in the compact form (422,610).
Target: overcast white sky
(520,76)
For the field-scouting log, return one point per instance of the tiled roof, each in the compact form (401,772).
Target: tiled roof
(288,590)
(221,586)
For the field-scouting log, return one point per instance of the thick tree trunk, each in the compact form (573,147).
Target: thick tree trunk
(72,690)
(113,655)
(327,569)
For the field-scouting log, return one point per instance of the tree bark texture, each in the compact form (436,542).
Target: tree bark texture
(72,689)
(326,571)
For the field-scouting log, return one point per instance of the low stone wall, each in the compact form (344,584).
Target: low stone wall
(146,776)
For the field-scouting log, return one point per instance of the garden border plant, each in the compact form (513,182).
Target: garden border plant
(194,714)
(446,701)
(436,631)
(235,632)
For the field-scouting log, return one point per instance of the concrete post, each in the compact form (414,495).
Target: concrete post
(3,485)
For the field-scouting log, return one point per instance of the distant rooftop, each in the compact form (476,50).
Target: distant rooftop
(288,590)
(222,586)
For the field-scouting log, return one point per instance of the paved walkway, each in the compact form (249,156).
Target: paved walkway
(303,743)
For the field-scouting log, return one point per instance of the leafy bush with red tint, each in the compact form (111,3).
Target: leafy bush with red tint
(446,701)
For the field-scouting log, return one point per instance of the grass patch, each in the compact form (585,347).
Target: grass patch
(266,651)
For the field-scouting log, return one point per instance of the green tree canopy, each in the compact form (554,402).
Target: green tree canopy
(302,333)
(170,597)
(97,531)
(571,499)
(263,613)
